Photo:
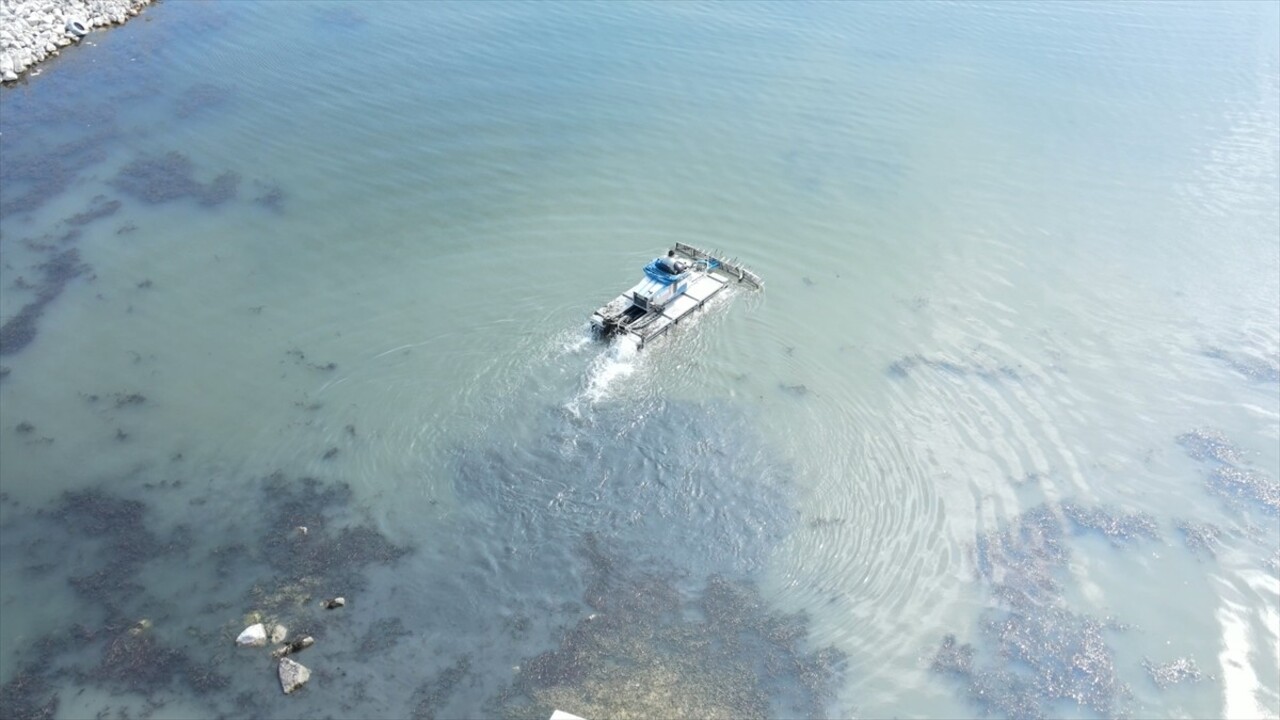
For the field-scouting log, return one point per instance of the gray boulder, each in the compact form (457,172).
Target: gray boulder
(293,675)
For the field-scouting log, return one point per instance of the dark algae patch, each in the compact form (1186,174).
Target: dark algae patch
(1228,476)
(1034,654)
(20,330)
(1119,527)
(1260,369)
(652,650)
(163,178)
(129,639)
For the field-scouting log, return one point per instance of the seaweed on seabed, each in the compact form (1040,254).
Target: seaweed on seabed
(100,208)
(382,635)
(128,544)
(1119,528)
(1040,652)
(1207,443)
(134,661)
(28,696)
(163,178)
(1200,537)
(325,557)
(57,271)
(431,695)
(649,649)
(1227,478)
(1170,673)
(1259,369)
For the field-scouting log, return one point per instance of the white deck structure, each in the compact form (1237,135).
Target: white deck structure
(651,308)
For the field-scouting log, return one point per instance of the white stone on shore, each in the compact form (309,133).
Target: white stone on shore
(253,636)
(33,31)
(293,675)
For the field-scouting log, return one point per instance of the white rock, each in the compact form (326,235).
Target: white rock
(6,64)
(10,76)
(279,633)
(293,675)
(253,636)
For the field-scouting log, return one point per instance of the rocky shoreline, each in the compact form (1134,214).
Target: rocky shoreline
(34,30)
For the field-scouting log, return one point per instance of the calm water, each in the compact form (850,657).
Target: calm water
(1013,252)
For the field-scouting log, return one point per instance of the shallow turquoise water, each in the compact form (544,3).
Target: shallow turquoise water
(1012,253)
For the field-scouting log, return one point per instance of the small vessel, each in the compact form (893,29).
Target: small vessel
(673,287)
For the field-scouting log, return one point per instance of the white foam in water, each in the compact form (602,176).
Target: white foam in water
(619,360)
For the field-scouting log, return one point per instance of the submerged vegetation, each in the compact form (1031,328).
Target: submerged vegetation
(1227,475)
(170,176)
(650,650)
(1035,652)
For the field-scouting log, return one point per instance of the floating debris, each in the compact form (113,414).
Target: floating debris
(298,645)
(1119,528)
(1180,670)
(334,603)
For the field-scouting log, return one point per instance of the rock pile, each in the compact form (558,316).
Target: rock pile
(33,31)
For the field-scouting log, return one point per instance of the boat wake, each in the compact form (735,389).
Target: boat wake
(619,360)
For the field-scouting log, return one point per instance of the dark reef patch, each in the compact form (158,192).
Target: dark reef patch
(1036,652)
(650,648)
